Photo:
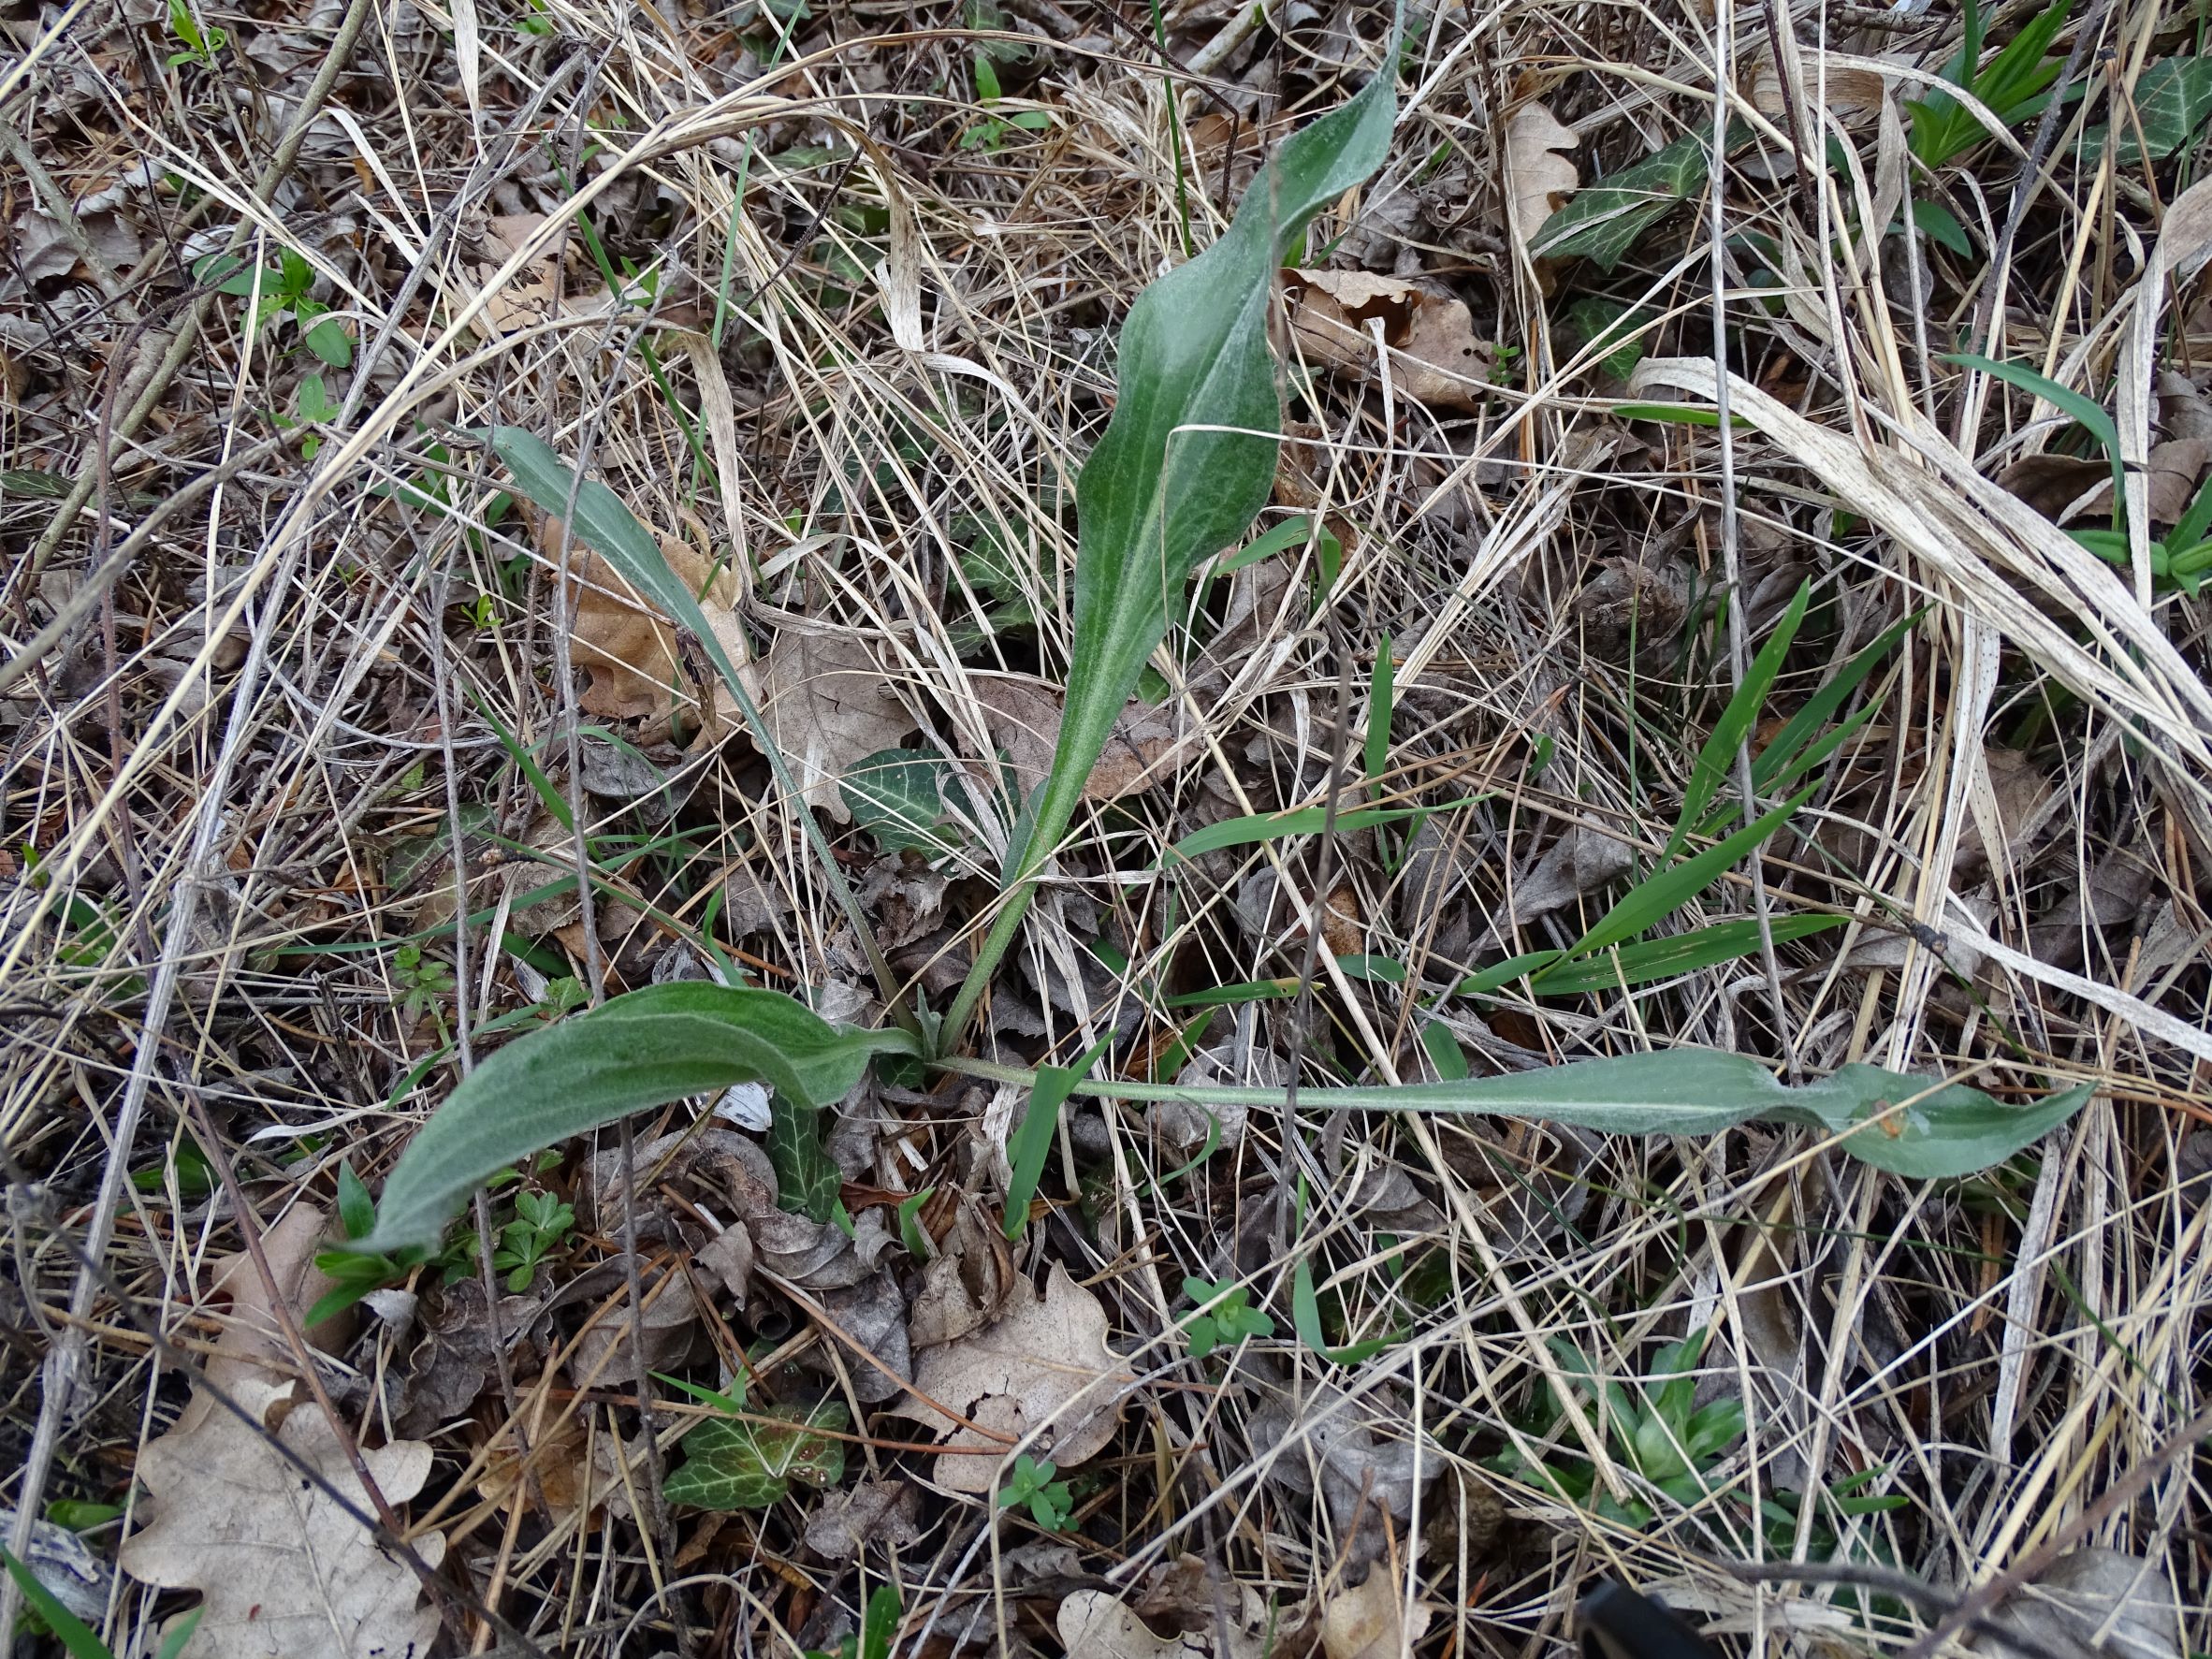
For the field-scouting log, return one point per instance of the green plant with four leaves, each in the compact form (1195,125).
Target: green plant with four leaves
(1030,1481)
(425,983)
(272,293)
(1224,1318)
(541,1222)
(1187,461)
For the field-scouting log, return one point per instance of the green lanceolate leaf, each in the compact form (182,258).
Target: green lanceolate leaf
(640,1050)
(1947,1129)
(1299,820)
(1185,465)
(604,524)
(2086,411)
(750,1464)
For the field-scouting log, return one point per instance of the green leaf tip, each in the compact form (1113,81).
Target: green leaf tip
(640,1050)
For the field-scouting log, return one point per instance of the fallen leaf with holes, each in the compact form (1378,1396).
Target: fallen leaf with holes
(1093,1624)
(286,1573)
(1372,1621)
(828,706)
(1023,1372)
(1538,179)
(1022,714)
(1435,358)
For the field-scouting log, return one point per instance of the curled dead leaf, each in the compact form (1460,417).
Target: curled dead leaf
(1435,358)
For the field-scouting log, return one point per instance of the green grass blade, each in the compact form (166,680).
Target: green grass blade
(642,1048)
(2086,411)
(1736,722)
(1183,466)
(1030,1144)
(1651,959)
(78,1638)
(1381,700)
(1299,820)
(1660,895)
(1770,768)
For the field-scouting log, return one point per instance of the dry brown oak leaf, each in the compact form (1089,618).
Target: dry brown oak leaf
(1023,716)
(1024,1371)
(286,1573)
(1539,178)
(1435,358)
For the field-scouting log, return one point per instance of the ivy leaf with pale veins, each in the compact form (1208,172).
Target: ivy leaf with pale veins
(750,1464)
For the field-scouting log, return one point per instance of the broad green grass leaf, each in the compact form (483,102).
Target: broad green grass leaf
(643,1049)
(1381,700)
(1291,532)
(1651,959)
(1299,820)
(1948,1129)
(1657,896)
(1186,463)
(2086,411)
(1029,1146)
(2172,96)
(753,1464)
(1602,221)
(1941,226)
(77,1639)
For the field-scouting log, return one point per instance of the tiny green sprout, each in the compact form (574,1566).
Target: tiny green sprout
(199,45)
(1227,1320)
(424,982)
(541,1222)
(1051,1504)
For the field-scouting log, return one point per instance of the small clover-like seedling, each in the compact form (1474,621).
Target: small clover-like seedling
(541,1222)
(1051,1504)
(1224,1324)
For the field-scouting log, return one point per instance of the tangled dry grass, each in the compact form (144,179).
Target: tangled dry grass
(317,785)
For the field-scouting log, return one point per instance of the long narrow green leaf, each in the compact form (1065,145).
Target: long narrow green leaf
(643,1049)
(1947,1129)
(1301,820)
(1821,708)
(1736,720)
(1185,465)
(77,1639)
(1656,897)
(1030,1144)
(1649,959)
(604,524)
(2086,411)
